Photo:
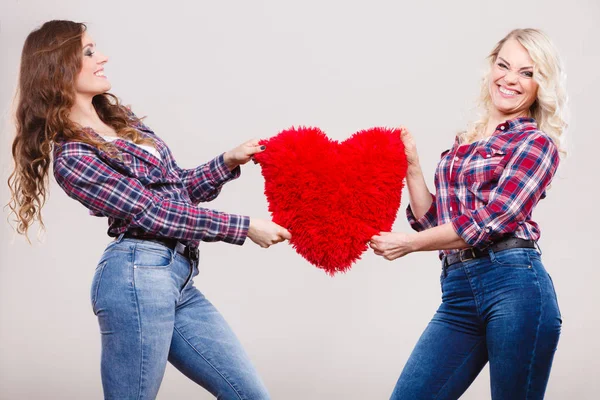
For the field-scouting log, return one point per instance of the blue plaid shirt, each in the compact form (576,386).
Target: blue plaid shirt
(147,196)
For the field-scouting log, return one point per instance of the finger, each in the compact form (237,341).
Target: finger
(375,246)
(285,234)
(377,252)
(255,149)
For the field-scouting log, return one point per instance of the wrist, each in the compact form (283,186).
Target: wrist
(414,170)
(416,242)
(228,160)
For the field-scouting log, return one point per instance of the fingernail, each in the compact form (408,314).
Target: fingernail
(263,147)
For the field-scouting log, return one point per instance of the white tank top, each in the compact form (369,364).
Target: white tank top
(149,149)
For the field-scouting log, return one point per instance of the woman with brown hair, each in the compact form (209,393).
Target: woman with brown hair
(104,157)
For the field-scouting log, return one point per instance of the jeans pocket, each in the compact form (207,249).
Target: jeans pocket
(153,257)
(96,281)
(515,258)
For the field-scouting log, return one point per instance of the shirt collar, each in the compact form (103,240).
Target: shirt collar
(517,124)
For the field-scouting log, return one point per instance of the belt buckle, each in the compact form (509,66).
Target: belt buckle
(462,253)
(194,253)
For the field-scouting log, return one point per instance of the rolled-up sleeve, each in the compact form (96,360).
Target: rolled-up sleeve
(102,189)
(426,221)
(520,187)
(204,182)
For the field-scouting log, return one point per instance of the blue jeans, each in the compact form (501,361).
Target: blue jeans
(502,309)
(149,312)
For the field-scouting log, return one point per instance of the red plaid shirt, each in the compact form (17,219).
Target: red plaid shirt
(488,189)
(147,196)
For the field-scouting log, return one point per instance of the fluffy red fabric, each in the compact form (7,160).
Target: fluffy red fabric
(333,196)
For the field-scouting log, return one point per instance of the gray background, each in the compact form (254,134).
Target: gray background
(210,75)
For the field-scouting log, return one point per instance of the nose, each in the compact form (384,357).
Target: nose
(102,59)
(511,77)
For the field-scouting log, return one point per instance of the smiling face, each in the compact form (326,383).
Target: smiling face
(512,87)
(91,80)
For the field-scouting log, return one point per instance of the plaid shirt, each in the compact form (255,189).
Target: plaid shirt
(146,196)
(488,189)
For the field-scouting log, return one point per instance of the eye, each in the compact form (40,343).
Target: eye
(90,53)
(527,74)
(502,65)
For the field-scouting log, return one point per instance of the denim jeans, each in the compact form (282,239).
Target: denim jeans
(149,312)
(502,309)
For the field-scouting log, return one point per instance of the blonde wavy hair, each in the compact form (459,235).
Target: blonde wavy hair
(549,108)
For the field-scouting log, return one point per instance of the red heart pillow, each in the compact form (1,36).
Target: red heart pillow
(333,196)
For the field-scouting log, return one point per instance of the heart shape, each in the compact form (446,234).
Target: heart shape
(333,197)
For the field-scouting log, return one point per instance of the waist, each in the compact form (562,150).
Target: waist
(473,253)
(192,253)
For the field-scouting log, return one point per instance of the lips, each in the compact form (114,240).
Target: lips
(507,93)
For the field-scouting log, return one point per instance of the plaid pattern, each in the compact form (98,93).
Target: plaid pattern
(146,196)
(488,189)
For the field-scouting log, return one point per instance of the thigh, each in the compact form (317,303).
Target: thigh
(206,350)
(523,327)
(132,296)
(451,351)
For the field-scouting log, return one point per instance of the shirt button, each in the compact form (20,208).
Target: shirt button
(488,155)
(450,208)
(502,127)
(455,158)
(488,229)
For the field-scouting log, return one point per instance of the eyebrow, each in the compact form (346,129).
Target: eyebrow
(88,45)
(507,63)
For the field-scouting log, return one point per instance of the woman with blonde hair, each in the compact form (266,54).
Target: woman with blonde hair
(498,301)
(104,157)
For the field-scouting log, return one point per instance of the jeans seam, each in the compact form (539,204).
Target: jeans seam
(209,363)
(537,334)
(137,306)
(473,291)
(457,368)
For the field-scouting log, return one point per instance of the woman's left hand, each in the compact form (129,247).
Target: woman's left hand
(392,245)
(242,154)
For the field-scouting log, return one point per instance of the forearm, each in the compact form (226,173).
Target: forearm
(441,237)
(204,182)
(420,197)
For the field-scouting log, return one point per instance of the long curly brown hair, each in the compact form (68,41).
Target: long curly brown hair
(50,63)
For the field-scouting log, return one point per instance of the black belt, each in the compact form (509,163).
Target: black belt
(472,253)
(192,253)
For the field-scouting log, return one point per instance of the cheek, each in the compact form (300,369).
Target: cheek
(85,78)
(531,88)
(495,76)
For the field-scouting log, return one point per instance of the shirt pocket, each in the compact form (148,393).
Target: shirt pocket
(147,173)
(486,165)
(122,162)
(483,172)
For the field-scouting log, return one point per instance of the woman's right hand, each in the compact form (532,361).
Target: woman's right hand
(410,148)
(267,233)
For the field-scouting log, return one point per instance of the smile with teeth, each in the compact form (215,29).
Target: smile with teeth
(507,92)
(99,73)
